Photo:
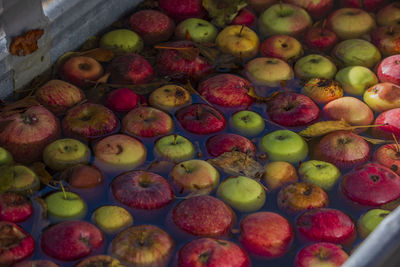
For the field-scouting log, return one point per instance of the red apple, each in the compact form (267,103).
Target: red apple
(71,240)
(282,46)
(183,9)
(35,263)
(260,5)
(221,143)
(81,71)
(130,68)
(292,109)
(320,254)
(152,25)
(389,156)
(317,9)
(245,17)
(14,207)
(122,100)
(367,5)
(371,184)
(201,119)
(389,70)
(387,39)
(391,122)
(320,39)
(389,15)
(326,225)
(28,133)
(226,90)
(82,176)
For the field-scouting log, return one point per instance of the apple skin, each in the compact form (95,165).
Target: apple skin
(82,176)
(36,263)
(371,185)
(5,157)
(81,71)
(326,225)
(247,123)
(370,220)
(112,219)
(61,208)
(227,142)
(71,240)
(25,180)
(387,39)
(244,17)
(356,52)
(389,15)
(14,207)
(356,79)
(266,234)
(152,25)
(314,66)
(268,71)
(226,90)
(388,156)
(389,70)
(183,9)
(122,100)
(174,148)
(322,90)
(317,9)
(199,30)
(98,260)
(320,39)
(320,254)
(260,5)
(367,5)
(170,97)
(390,118)
(130,68)
(382,97)
(279,173)
(321,173)
(282,46)
(212,252)
(29,133)
(122,41)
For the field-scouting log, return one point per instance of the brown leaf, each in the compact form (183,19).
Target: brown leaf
(260,99)
(209,53)
(141,89)
(43,205)
(227,61)
(100,54)
(188,86)
(91,43)
(26,44)
(40,169)
(103,79)
(95,94)
(188,53)
(18,106)
(62,59)
(324,127)
(376,141)
(197,193)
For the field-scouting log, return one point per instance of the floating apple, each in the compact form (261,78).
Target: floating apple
(180,10)
(320,254)
(174,147)
(122,100)
(320,173)
(356,79)
(25,181)
(389,70)
(102,260)
(81,71)
(387,39)
(268,71)
(112,219)
(130,68)
(14,207)
(65,205)
(5,157)
(317,9)
(247,123)
(35,263)
(356,52)
(122,41)
(320,39)
(314,66)
(389,15)
(367,5)
(82,176)
(389,156)
(391,124)
(227,142)
(197,30)
(382,97)
(260,5)
(370,220)
(170,97)
(322,90)
(279,173)
(244,17)
(282,46)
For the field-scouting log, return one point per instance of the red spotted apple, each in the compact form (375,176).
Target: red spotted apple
(389,156)
(122,100)
(390,124)
(387,39)
(320,39)
(14,207)
(389,15)
(321,254)
(244,17)
(221,143)
(81,71)
(130,68)
(367,5)
(389,70)
(182,9)
(281,46)
(317,9)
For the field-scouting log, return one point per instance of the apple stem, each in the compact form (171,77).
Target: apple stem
(175,136)
(273,123)
(368,126)
(63,190)
(323,26)
(186,169)
(397,144)
(241,30)
(199,152)
(235,231)
(281,5)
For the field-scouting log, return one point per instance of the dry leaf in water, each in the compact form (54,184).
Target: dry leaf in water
(100,54)
(26,44)
(40,169)
(260,99)
(188,53)
(18,106)
(324,127)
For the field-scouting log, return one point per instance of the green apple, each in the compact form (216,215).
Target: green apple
(247,123)
(174,147)
(5,157)
(242,193)
(382,97)
(279,173)
(356,52)
(268,71)
(111,218)
(356,79)
(284,145)
(65,205)
(314,66)
(25,180)
(65,153)
(321,173)
(122,41)
(200,30)
(370,220)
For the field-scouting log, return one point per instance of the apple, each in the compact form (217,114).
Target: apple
(284,145)
(142,190)
(279,173)
(314,66)
(268,71)
(170,97)
(244,17)
(71,240)
(89,121)
(130,68)
(65,205)
(201,119)
(356,79)
(320,254)
(322,90)
(266,234)
(320,39)
(174,148)
(350,23)
(14,207)
(382,97)
(318,9)
(119,153)
(242,193)
(282,46)
(122,41)
(389,70)
(35,263)
(212,252)
(370,220)
(389,15)
(367,5)
(239,41)
(371,185)
(182,9)
(260,5)
(143,245)
(227,142)
(58,96)
(226,90)
(343,149)
(5,157)
(356,52)
(193,175)
(247,123)
(17,244)
(81,71)
(122,100)
(82,176)
(152,25)
(64,153)
(147,122)
(326,225)
(391,124)
(100,260)
(297,197)
(320,173)
(25,181)
(28,133)
(111,218)
(284,19)
(389,156)
(292,109)
(197,30)
(387,39)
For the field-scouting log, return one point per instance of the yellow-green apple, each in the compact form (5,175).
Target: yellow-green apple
(279,173)
(174,148)
(356,52)
(282,46)
(82,176)
(239,41)
(389,15)
(152,25)
(322,90)
(321,254)
(387,39)
(298,197)
(242,193)
(26,134)
(122,41)
(314,66)
(58,96)
(65,206)
(97,260)
(370,220)
(147,122)
(342,149)
(130,68)
(320,173)
(284,145)
(119,153)
(367,5)
(197,30)
(260,5)
(382,97)
(170,97)
(320,39)
(111,218)
(25,180)
(284,19)
(183,9)
(389,156)
(247,123)
(6,157)
(389,70)
(356,79)
(228,142)
(81,71)
(244,17)
(14,207)
(351,23)
(35,263)
(318,9)
(193,175)
(268,71)
(122,100)
(390,124)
